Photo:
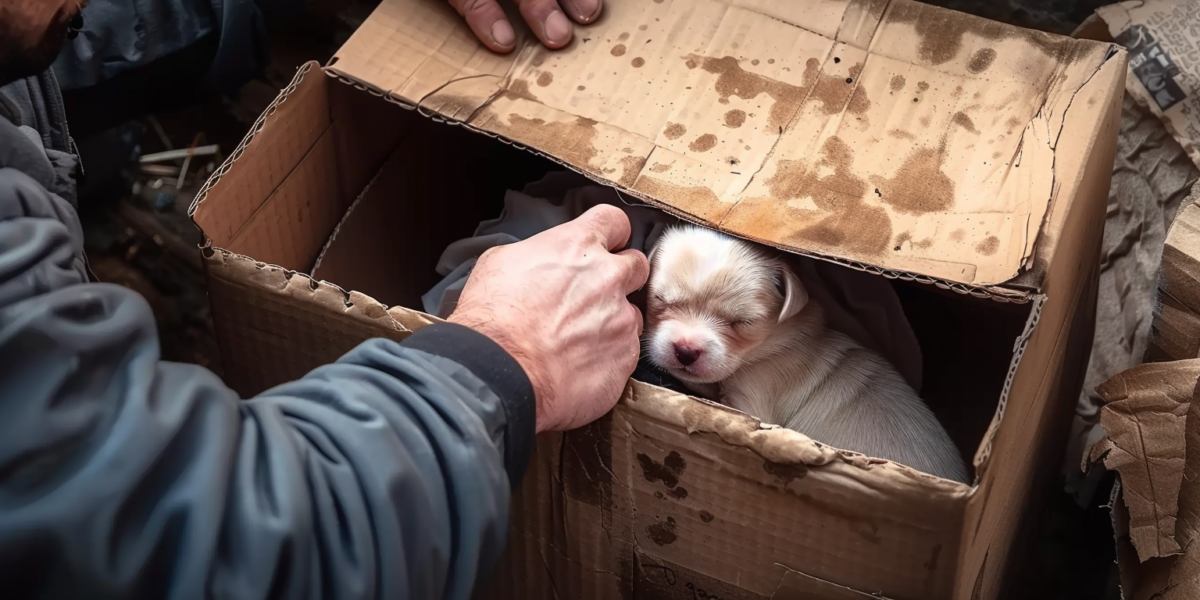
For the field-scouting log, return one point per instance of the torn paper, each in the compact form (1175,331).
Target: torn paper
(1164,61)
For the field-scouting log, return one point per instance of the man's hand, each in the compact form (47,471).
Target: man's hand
(550,20)
(557,303)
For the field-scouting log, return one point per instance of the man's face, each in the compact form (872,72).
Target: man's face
(32,32)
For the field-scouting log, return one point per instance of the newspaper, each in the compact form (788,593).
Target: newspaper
(1163,39)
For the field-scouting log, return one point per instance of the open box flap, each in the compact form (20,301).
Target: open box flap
(892,134)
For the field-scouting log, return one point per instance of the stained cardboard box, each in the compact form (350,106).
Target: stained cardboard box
(966,160)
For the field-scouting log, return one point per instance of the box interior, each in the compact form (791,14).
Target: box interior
(436,182)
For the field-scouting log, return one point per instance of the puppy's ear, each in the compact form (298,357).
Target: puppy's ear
(650,255)
(795,297)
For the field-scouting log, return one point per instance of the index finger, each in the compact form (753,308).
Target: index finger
(608,224)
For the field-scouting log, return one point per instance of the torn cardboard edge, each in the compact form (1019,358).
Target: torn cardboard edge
(997,293)
(1152,421)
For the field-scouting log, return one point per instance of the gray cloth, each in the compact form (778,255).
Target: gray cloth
(384,475)
(1151,176)
(860,305)
(558,198)
(120,35)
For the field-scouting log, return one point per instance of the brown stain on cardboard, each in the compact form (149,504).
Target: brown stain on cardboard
(786,473)
(735,118)
(660,168)
(901,134)
(962,120)
(897,83)
(674,131)
(851,223)
(922,86)
(698,201)
(732,80)
(942,33)
(706,516)
(988,246)
(572,141)
(703,143)
(864,527)
(678,493)
(668,471)
(638,62)
(624,36)
(540,54)
(957,235)
(519,88)
(919,186)
(663,533)
(981,60)
(907,237)
(618,50)
(631,167)
(545,79)
(837,94)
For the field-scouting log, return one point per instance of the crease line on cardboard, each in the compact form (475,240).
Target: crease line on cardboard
(1055,184)
(238,151)
(236,237)
(824,582)
(788,127)
(837,36)
(728,5)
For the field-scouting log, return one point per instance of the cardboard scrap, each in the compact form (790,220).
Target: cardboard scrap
(1176,327)
(1155,448)
(1163,45)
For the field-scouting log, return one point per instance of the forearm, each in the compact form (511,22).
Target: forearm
(381,475)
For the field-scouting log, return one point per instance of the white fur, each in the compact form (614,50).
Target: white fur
(779,362)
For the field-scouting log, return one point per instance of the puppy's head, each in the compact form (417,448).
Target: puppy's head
(712,300)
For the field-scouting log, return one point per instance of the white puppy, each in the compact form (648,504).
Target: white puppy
(733,322)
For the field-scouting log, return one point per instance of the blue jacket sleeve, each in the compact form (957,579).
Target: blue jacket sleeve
(384,475)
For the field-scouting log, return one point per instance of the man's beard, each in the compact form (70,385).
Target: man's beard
(18,62)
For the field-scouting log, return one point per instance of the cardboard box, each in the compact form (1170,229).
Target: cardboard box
(967,160)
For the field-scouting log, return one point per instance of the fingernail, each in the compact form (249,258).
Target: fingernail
(585,10)
(558,29)
(503,34)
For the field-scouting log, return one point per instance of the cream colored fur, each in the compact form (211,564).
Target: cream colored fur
(766,352)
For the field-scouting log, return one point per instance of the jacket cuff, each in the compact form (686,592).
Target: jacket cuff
(501,372)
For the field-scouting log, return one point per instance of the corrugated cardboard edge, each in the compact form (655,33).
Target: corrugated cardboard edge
(773,443)
(237,268)
(997,293)
(985,447)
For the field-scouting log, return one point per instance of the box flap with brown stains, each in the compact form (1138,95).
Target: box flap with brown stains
(889,134)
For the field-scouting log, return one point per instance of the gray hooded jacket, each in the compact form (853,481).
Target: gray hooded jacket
(384,475)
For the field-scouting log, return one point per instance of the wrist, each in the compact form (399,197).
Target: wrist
(523,355)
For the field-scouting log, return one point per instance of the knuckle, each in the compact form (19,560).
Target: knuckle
(469,7)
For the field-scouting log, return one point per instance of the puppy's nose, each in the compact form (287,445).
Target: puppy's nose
(686,354)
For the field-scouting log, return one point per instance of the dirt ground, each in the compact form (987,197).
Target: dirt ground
(139,235)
